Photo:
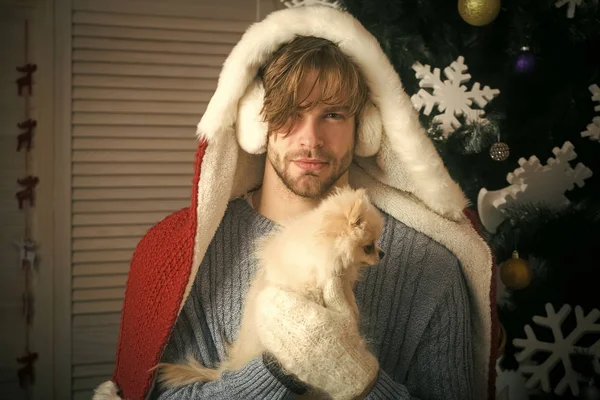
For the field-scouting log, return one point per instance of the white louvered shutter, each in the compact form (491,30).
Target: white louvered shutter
(140,83)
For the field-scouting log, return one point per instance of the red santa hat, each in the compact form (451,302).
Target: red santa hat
(395,160)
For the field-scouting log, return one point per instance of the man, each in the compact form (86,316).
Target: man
(313,90)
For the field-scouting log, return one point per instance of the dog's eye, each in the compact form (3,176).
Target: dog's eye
(369,248)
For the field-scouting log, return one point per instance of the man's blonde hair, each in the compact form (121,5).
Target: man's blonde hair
(339,80)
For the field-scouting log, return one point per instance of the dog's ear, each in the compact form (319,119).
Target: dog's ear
(334,224)
(344,220)
(357,210)
(356,221)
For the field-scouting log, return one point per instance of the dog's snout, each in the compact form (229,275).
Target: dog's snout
(381,254)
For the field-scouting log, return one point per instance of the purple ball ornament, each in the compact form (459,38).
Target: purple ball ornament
(525,62)
(591,392)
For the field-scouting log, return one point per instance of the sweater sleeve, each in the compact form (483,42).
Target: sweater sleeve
(254,381)
(442,367)
(212,313)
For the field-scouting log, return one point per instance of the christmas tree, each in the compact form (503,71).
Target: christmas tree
(525,147)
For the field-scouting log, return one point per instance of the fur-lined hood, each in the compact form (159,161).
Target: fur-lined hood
(395,161)
(238,99)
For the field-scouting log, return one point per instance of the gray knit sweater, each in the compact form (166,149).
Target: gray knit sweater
(414,313)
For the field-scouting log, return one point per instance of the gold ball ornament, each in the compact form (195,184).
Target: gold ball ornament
(478,12)
(515,272)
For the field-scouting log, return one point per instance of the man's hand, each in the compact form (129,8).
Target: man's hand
(320,345)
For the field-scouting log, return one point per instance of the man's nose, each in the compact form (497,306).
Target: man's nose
(310,133)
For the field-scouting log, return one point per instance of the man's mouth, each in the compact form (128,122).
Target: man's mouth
(310,164)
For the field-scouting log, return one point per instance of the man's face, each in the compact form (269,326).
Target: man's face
(318,149)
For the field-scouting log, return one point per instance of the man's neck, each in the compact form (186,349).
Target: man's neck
(276,202)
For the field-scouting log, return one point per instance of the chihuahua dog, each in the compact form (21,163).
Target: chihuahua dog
(337,238)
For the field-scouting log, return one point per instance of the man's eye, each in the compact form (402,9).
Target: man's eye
(334,116)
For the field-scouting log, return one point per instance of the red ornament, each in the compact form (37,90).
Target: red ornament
(24,138)
(26,81)
(26,373)
(27,193)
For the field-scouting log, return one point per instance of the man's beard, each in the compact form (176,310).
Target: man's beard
(308,184)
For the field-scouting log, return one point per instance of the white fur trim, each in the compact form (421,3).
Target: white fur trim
(370,130)
(251,130)
(106,391)
(425,175)
(217,177)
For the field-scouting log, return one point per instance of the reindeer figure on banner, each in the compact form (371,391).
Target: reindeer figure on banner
(26,81)
(24,139)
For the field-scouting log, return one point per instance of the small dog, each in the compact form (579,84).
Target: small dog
(337,238)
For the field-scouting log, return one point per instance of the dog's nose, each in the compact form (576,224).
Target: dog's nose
(381,254)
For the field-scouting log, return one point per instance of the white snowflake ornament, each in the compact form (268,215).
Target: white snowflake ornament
(571,8)
(533,183)
(510,385)
(450,95)
(560,350)
(593,129)
(301,3)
